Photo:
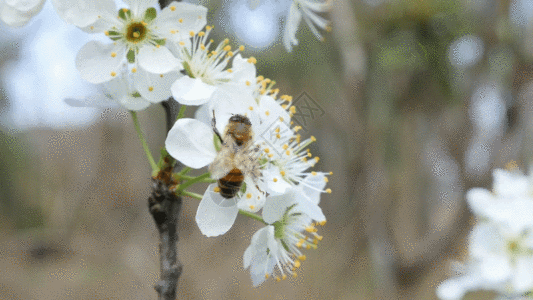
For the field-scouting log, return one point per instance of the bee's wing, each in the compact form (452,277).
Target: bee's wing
(223,162)
(247,160)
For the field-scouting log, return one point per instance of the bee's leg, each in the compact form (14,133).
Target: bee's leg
(214,124)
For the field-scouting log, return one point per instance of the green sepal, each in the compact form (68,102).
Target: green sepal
(150,14)
(217,142)
(284,245)
(131,56)
(278,229)
(187,69)
(161,42)
(124,15)
(136,95)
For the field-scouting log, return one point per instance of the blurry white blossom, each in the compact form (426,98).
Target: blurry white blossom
(19,12)
(309,11)
(501,243)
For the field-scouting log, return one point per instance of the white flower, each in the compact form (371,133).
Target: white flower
(278,246)
(510,203)
(142,35)
(19,12)
(499,260)
(132,91)
(208,71)
(308,10)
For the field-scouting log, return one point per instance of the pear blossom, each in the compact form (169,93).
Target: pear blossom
(19,12)
(276,250)
(209,72)
(142,35)
(308,10)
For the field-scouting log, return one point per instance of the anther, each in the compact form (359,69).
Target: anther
(173,8)
(113,74)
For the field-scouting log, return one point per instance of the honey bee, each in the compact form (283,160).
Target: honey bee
(237,158)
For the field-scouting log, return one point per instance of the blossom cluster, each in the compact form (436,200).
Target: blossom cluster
(153,54)
(500,254)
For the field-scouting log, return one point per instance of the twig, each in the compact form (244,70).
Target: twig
(165,207)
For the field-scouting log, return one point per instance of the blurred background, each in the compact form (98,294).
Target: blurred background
(412,103)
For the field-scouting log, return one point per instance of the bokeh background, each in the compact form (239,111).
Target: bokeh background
(412,103)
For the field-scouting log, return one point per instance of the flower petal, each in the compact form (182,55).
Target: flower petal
(138,7)
(99,63)
(157,60)
(178,19)
(215,215)
(312,186)
(19,13)
(191,91)
(82,13)
(154,87)
(98,101)
(191,142)
(276,206)
(253,199)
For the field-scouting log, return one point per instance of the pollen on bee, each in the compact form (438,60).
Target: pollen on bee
(216,189)
(113,74)
(133,70)
(151,88)
(113,54)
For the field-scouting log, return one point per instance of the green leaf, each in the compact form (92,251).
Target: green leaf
(150,14)
(131,56)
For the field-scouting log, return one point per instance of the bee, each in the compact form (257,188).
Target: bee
(237,158)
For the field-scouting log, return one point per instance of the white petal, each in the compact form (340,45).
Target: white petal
(192,17)
(134,103)
(312,186)
(96,63)
(480,200)
(270,111)
(24,5)
(215,215)
(191,142)
(496,269)
(454,288)
(510,184)
(253,199)
(154,87)
(484,240)
(308,207)
(138,7)
(276,206)
(257,245)
(522,280)
(243,72)
(12,16)
(192,91)
(98,101)
(82,13)
(275,182)
(157,60)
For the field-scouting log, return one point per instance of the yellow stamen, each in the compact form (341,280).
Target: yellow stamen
(173,8)
(133,70)
(113,74)
(151,88)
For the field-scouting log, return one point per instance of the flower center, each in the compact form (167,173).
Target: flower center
(136,32)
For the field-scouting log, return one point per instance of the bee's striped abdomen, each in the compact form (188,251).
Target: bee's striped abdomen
(231,183)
